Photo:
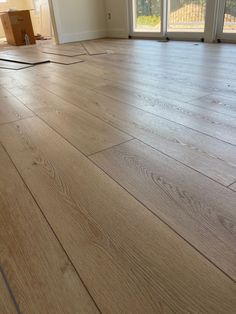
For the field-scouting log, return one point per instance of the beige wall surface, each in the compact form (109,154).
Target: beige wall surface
(118,25)
(79,19)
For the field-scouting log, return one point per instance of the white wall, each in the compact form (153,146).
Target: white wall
(118,26)
(80,19)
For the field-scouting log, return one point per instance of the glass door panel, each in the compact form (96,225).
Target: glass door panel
(184,19)
(230,17)
(186,15)
(147,15)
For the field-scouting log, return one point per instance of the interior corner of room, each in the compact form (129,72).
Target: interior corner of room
(67,22)
(97,19)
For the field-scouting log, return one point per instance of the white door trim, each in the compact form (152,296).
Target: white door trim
(227,37)
(55,17)
(164,22)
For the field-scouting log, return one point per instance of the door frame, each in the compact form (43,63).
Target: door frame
(138,34)
(213,31)
(164,22)
(227,37)
(53,13)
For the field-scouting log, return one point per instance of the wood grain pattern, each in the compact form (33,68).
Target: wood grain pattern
(210,156)
(130,261)
(40,274)
(6,304)
(163,185)
(87,133)
(233,187)
(177,100)
(12,109)
(198,118)
(219,102)
(68,50)
(92,48)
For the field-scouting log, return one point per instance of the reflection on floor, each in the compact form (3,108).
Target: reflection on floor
(118,179)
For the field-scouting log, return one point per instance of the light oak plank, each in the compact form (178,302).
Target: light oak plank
(4,65)
(87,133)
(40,275)
(16,56)
(201,211)
(63,51)
(200,119)
(11,109)
(134,79)
(34,55)
(219,102)
(70,50)
(6,304)
(207,155)
(91,47)
(130,261)
(233,187)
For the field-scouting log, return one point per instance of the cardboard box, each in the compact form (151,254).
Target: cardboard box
(16,25)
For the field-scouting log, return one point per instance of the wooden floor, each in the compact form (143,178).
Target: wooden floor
(118,181)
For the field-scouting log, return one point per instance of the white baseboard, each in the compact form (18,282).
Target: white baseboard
(68,38)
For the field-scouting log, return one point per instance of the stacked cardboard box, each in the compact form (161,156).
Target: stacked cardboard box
(18,27)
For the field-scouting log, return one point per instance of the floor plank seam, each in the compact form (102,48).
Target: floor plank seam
(211,94)
(157,221)
(132,136)
(54,233)
(151,113)
(108,123)
(38,116)
(14,121)
(232,183)
(161,117)
(89,53)
(113,146)
(4,276)
(203,174)
(161,152)
(128,193)
(163,221)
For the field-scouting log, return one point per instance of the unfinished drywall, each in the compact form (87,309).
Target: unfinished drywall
(117,18)
(79,19)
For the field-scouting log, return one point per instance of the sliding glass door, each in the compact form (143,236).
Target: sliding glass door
(227,20)
(186,15)
(168,17)
(184,19)
(147,16)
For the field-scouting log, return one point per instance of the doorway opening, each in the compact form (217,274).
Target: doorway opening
(227,22)
(183,19)
(40,15)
